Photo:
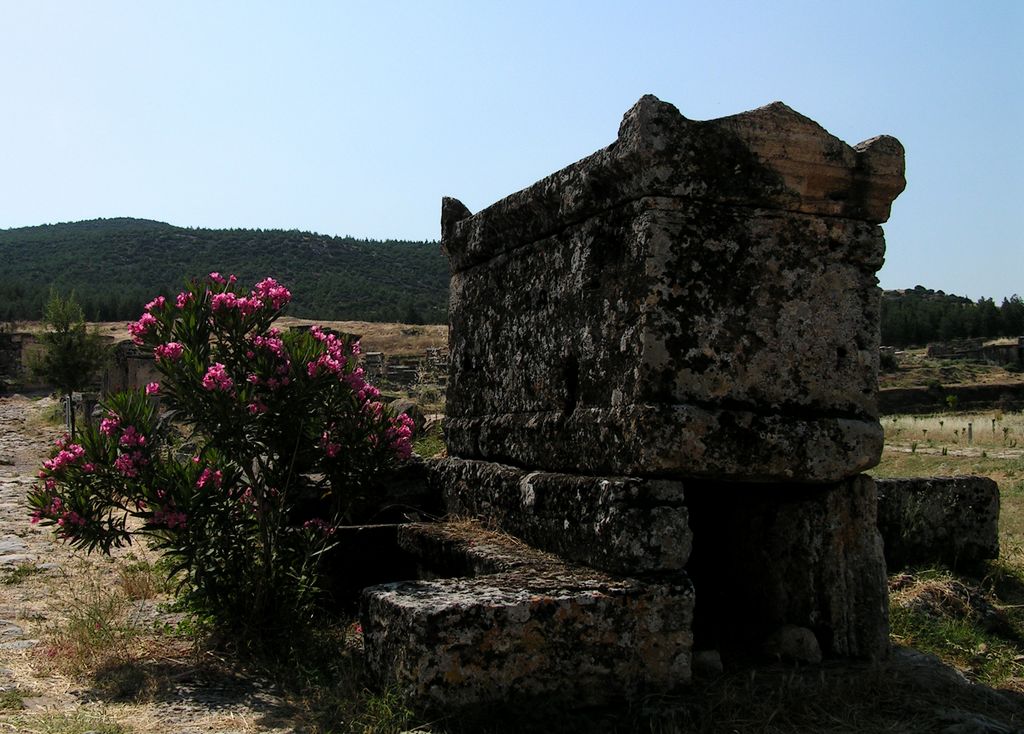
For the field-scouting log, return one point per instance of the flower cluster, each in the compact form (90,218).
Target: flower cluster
(211,477)
(68,454)
(171,351)
(217,378)
(399,435)
(319,525)
(62,517)
(130,438)
(228,301)
(273,293)
(141,327)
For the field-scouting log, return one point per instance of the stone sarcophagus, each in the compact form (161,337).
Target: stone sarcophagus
(699,298)
(663,364)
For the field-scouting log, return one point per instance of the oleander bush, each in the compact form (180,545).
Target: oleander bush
(239,464)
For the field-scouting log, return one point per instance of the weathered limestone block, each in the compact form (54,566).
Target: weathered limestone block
(530,626)
(929,520)
(130,368)
(696,299)
(797,555)
(621,525)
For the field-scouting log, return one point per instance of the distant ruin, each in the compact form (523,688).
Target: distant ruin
(663,378)
(999,351)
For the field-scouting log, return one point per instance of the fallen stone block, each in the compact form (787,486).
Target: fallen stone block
(529,625)
(938,520)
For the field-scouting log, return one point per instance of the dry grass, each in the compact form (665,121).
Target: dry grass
(989,431)
(390,338)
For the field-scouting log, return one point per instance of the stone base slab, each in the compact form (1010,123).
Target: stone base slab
(531,625)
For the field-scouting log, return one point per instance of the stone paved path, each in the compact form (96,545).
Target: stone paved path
(200,699)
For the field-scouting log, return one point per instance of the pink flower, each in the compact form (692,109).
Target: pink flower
(209,476)
(109,426)
(71,518)
(319,525)
(247,306)
(217,378)
(270,290)
(171,351)
(72,453)
(399,435)
(273,344)
(223,301)
(152,388)
(256,407)
(183,299)
(132,437)
(169,518)
(157,302)
(330,448)
(125,464)
(141,327)
(217,278)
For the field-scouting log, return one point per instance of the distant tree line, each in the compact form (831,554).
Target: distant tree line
(919,316)
(115,266)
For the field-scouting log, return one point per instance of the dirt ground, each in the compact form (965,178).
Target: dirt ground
(49,592)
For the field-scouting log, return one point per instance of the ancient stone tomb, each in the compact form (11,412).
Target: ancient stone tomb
(663,380)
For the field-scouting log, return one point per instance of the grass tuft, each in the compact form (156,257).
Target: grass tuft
(21,573)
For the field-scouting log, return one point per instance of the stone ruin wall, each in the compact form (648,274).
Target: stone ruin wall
(663,366)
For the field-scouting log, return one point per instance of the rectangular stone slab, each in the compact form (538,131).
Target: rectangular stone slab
(533,626)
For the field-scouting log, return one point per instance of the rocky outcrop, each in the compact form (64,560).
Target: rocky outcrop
(938,520)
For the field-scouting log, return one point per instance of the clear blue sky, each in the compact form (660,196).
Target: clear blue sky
(356,118)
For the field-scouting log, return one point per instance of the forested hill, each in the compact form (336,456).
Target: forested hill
(917,316)
(115,266)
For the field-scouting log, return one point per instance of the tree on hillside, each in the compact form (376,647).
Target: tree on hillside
(72,354)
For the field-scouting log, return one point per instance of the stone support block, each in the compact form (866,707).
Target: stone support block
(621,525)
(809,556)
